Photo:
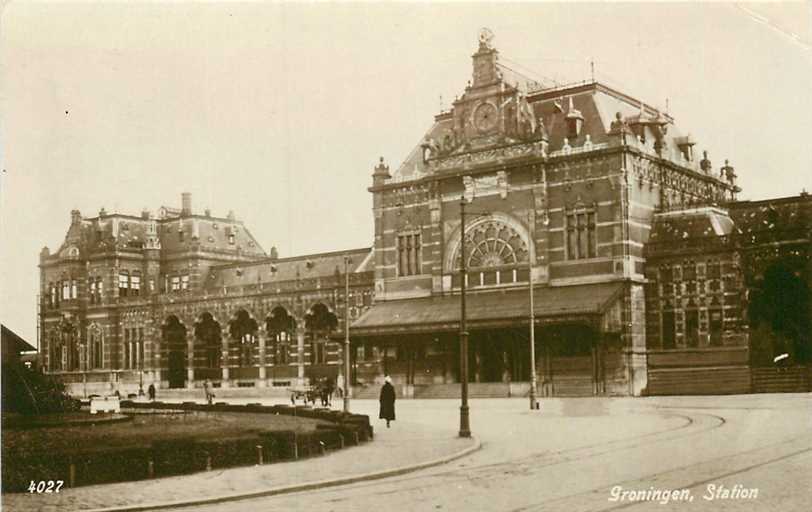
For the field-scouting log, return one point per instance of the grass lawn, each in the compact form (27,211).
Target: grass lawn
(144,429)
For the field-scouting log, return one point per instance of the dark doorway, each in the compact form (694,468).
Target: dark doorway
(208,348)
(174,338)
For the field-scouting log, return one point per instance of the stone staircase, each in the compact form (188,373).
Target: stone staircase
(781,380)
(720,380)
(475,390)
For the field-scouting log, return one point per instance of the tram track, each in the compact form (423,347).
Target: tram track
(529,464)
(641,482)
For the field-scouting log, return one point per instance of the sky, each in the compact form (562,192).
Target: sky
(280,111)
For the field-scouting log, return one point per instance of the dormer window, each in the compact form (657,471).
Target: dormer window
(575,121)
(181,235)
(231,238)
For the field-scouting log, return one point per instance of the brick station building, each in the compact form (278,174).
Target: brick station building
(181,297)
(640,258)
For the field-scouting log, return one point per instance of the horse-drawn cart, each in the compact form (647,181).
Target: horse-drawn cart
(308,394)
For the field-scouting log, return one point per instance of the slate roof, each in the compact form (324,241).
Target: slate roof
(287,269)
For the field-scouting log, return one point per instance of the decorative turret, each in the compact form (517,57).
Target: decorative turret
(485,59)
(75,217)
(274,253)
(381,173)
(705,164)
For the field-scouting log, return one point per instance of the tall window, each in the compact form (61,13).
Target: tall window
(123,283)
(692,327)
(96,350)
(184,282)
(581,238)
(175,283)
(53,300)
(140,348)
(65,289)
(318,354)
(127,349)
(669,330)
(73,289)
(135,284)
(409,255)
(91,289)
(715,327)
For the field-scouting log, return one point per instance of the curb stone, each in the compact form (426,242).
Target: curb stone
(298,487)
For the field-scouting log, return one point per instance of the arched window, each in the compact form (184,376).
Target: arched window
(496,254)
(208,337)
(281,330)
(243,331)
(319,323)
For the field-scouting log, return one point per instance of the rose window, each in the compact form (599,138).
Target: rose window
(492,244)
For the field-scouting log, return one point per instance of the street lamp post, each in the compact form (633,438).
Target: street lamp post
(533,403)
(347,262)
(465,427)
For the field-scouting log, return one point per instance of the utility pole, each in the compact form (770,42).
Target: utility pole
(347,262)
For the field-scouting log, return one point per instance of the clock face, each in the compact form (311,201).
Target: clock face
(485,117)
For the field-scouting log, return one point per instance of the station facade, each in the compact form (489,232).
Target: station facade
(640,259)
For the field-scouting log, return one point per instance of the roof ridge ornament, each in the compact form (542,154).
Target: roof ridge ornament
(485,39)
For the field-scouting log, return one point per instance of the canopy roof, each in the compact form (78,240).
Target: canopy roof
(487,309)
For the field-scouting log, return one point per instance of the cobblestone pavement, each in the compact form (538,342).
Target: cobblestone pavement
(570,457)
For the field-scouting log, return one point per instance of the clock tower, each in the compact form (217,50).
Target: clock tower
(485,59)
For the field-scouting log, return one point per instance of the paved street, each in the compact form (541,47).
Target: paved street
(570,457)
(574,455)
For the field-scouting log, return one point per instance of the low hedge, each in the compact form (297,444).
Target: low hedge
(183,455)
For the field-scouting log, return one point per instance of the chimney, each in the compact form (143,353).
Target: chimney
(75,217)
(186,204)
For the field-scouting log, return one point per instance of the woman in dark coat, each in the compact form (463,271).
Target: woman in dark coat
(387,401)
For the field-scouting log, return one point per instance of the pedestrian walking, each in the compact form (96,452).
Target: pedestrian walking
(207,389)
(387,401)
(340,385)
(151,391)
(330,390)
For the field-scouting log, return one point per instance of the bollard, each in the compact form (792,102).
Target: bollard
(355,435)
(208,461)
(295,448)
(341,440)
(322,448)
(150,469)
(72,475)
(259,455)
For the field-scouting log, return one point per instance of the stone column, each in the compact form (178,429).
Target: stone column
(300,339)
(261,335)
(224,362)
(190,360)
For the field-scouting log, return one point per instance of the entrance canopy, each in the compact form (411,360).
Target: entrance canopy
(503,308)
